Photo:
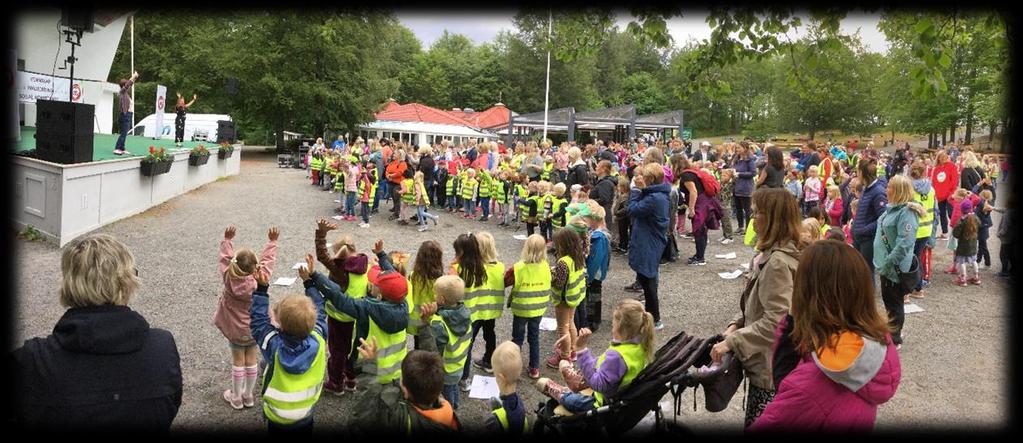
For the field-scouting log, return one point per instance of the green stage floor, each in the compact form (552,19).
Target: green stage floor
(103,145)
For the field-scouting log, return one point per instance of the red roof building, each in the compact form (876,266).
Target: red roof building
(496,116)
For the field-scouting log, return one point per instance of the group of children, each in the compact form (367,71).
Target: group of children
(347,172)
(377,300)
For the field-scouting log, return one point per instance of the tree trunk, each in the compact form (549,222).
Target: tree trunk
(930,140)
(893,136)
(969,126)
(812,132)
(943,139)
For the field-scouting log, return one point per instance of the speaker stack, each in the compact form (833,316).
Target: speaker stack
(64,131)
(225,131)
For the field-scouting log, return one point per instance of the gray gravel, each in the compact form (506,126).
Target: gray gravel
(953,362)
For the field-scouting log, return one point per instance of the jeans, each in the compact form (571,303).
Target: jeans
(546,230)
(350,204)
(743,211)
(488,336)
(576,402)
(485,204)
(451,394)
(381,190)
(982,251)
(365,212)
(451,202)
(125,127)
(428,186)
(945,212)
(470,207)
(893,295)
(424,214)
(301,427)
(701,243)
(650,303)
(865,245)
(520,327)
(918,251)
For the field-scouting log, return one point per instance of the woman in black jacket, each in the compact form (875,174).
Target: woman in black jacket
(103,367)
(578,172)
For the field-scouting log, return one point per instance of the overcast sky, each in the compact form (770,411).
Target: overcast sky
(483,26)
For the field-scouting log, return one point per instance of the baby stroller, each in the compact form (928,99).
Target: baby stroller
(674,369)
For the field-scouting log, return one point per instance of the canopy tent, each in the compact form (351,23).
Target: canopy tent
(608,119)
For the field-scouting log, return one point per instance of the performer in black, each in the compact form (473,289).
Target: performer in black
(179,121)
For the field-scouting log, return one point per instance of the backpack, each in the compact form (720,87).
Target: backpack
(711,187)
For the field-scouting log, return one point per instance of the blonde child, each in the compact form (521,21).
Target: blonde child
(351,186)
(500,191)
(568,287)
(232,317)
(811,189)
(408,196)
(833,206)
(530,207)
(544,209)
(558,206)
(966,234)
(428,267)
(508,414)
(296,353)
(422,201)
(448,333)
(811,230)
(632,348)
(530,280)
(469,193)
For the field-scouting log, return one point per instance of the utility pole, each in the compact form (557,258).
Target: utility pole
(547,93)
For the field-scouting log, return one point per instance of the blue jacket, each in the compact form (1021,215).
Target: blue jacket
(389,316)
(296,353)
(806,160)
(894,241)
(745,172)
(648,209)
(600,258)
(872,204)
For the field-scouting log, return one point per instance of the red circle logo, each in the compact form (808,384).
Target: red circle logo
(76,92)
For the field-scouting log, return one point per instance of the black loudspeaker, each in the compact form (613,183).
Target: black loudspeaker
(75,18)
(225,131)
(64,131)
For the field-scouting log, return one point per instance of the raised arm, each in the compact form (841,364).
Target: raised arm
(268,258)
(226,250)
(266,336)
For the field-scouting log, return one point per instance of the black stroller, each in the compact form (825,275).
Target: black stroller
(673,369)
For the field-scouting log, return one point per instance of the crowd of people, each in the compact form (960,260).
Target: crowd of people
(824,220)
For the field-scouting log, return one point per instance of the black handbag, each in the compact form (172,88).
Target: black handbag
(909,280)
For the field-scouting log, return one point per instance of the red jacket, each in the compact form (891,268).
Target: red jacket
(945,179)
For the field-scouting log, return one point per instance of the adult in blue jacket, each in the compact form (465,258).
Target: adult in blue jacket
(872,204)
(648,208)
(745,171)
(808,157)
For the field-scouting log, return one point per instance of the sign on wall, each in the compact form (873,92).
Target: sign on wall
(161,100)
(32,87)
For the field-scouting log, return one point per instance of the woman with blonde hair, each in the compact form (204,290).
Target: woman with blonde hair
(578,172)
(893,250)
(103,366)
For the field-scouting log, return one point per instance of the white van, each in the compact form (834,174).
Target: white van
(198,127)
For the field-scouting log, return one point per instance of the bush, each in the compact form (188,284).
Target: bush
(31,234)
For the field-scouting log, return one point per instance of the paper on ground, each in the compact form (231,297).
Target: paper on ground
(745,265)
(484,387)
(337,217)
(548,324)
(285,281)
(299,265)
(727,256)
(730,275)
(912,308)
(519,237)
(337,201)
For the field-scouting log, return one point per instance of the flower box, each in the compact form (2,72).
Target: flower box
(150,169)
(198,160)
(225,153)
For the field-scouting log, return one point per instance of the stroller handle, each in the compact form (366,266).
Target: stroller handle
(694,377)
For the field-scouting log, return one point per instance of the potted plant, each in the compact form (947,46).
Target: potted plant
(226,149)
(156,162)
(199,155)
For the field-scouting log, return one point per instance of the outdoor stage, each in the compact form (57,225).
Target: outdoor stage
(66,201)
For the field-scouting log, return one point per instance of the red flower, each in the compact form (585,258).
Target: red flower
(152,150)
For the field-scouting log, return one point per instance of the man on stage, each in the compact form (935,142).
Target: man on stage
(126,115)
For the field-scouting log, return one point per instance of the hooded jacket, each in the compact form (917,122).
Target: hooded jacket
(745,172)
(945,179)
(834,390)
(383,410)
(434,339)
(894,241)
(923,186)
(389,316)
(868,210)
(232,314)
(296,354)
(648,208)
(102,368)
(338,270)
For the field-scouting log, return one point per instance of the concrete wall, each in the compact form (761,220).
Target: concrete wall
(66,201)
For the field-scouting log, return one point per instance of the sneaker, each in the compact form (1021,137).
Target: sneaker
(635,287)
(974,281)
(463,384)
(248,400)
(551,389)
(334,388)
(118,151)
(484,365)
(363,225)
(726,241)
(1003,275)
(230,399)
(421,228)
(350,385)
(554,360)
(961,282)
(573,378)
(484,218)
(534,373)
(687,236)
(696,262)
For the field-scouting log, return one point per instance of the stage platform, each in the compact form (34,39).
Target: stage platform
(66,201)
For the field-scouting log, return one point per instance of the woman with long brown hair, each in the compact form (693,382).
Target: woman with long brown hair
(750,335)
(835,361)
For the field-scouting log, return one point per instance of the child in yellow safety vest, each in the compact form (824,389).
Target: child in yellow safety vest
(508,414)
(599,378)
(448,333)
(530,282)
(469,192)
(568,289)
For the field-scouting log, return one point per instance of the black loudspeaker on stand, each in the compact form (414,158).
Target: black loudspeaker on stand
(64,131)
(225,131)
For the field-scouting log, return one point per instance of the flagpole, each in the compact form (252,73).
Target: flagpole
(547,93)
(131,26)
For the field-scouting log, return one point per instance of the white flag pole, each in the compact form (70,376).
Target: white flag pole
(547,93)
(131,25)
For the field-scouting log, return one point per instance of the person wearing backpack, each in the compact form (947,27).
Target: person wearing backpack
(702,208)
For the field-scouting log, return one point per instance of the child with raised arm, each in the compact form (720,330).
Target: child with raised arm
(448,333)
(295,354)
(508,414)
(237,270)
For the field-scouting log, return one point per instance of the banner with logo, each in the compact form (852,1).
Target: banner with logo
(32,87)
(161,100)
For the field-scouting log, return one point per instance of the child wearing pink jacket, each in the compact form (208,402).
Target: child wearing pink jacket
(237,269)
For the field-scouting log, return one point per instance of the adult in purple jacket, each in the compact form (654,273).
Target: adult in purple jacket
(834,361)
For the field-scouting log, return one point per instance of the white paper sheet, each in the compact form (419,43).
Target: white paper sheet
(913,308)
(484,387)
(298,266)
(519,237)
(745,265)
(548,324)
(730,275)
(337,201)
(285,281)
(727,256)
(337,217)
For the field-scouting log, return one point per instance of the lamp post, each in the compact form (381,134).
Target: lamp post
(547,92)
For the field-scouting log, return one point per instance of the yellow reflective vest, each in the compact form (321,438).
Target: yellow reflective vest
(532,289)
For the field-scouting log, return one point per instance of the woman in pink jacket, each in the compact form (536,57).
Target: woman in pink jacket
(834,361)
(232,315)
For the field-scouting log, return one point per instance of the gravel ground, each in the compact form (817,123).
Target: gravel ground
(953,362)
